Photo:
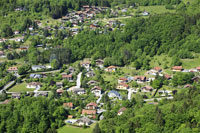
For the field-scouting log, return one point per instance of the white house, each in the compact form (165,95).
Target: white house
(37,67)
(34,85)
(84,121)
(96,90)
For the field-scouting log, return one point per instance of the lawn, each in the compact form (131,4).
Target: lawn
(20,88)
(191,63)
(70,129)
(155,9)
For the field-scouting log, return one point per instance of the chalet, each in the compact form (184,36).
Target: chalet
(16,95)
(177,68)
(37,67)
(196,79)
(122,80)
(122,86)
(92,82)
(59,91)
(99,63)
(140,78)
(2,54)
(16,32)
(145,13)
(157,69)
(31,28)
(13,70)
(71,69)
(84,121)
(34,85)
(114,94)
(89,112)
(23,48)
(59,84)
(198,69)
(68,77)
(79,91)
(168,77)
(111,69)
(91,105)
(96,90)
(188,86)
(90,74)
(86,64)
(120,112)
(147,89)
(68,105)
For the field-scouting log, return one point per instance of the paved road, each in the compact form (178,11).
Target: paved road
(78,81)
(8,85)
(53,71)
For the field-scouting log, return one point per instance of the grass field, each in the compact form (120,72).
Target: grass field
(155,9)
(20,88)
(70,129)
(191,1)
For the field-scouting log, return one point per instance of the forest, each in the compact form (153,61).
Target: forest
(32,115)
(178,115)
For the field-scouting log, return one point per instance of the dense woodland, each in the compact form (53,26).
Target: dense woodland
(179,115)
(31,115)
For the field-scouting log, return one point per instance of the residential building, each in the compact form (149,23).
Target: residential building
(121,110)
(91,105)
(177,68)
(13,70)
(111,69)
(96,90)
(84,121)
(34,85)
(16,95)
(122,80)
(114,94)
(147,89)
(99,63)
(59,84)
(68,77)
(122,86)
(90,74)
(68,105)
(37,67)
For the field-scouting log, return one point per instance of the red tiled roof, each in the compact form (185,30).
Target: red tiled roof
(157,68)
(96,88)
(177,68)
(198,68)
(12,69)
(89,112)
(111,67)
(123,84)
(124,79)
(122,109)
(167,76)
(66,76)
(70,104)
(92,104)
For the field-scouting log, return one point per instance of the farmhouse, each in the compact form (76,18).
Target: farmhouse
(122,86)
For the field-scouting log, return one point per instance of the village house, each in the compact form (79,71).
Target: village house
(59,84)
(177,68)
(17,39)
(99,63)
(114,94)
(71,70)
(68,105)
(23,48)
(96,90)
(167,76)
(16,95)
(147,89)
(92,82)
(145,13)
(86,64)
(68,77)
(120,112)
(91,105)
(40,93)
(111,69)
(37,67)
(2,54)
(157,69)
(34,85)
(78,91)
(90,74)
(198,69)
(84,121)
(122,80)
(16,32)
(90,113)
(140,78)
(123,86)
(31,28)
(13,70)
(60,91)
